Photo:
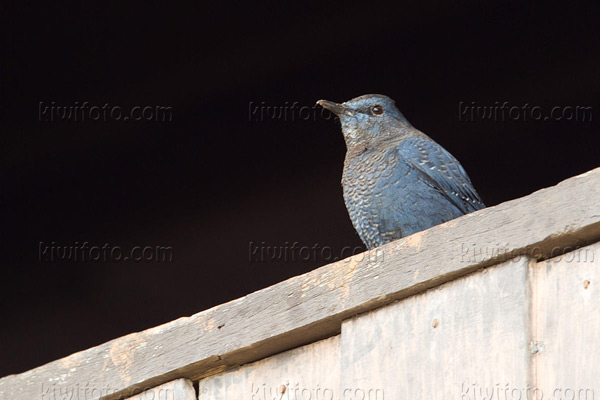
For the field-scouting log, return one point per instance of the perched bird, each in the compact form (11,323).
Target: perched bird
(396,180)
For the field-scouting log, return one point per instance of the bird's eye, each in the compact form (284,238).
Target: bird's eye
(377,110)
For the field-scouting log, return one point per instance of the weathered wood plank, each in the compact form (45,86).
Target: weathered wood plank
(180,389)
(308,372)
(456,341)
(567,325)
(312,306)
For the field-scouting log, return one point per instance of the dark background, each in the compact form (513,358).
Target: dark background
(212,181)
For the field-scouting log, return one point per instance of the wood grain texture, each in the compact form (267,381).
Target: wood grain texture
(567,325)
(312,306)
(456,341)
(310,371)
(180,389)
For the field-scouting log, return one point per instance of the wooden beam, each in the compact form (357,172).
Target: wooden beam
(312,306)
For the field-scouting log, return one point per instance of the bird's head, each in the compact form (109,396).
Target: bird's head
(368,119)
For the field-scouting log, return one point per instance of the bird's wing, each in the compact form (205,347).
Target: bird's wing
(440,170)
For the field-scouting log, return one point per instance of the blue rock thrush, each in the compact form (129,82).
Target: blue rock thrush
(396,180)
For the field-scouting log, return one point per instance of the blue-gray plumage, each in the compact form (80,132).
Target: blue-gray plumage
(396,180)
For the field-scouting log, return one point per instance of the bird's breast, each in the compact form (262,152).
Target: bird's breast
(364,171)
(365,175)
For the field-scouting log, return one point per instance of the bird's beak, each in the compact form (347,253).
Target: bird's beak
(336,108)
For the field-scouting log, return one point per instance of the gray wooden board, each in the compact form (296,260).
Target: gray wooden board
(312,306)
(308,372)
(567,325)
(458,341)
(180,389)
